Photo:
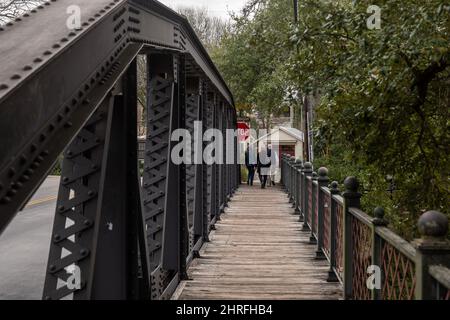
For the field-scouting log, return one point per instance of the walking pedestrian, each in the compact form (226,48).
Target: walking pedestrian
(250,166)
(264,163)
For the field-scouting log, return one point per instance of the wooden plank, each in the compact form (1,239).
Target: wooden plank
(258,251)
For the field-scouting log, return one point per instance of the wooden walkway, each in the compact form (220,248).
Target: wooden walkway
(258,252)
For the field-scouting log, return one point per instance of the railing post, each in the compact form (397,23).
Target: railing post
(297,165)
(299,192)
(377,244)
(312,210)
(352,198)
(433,248)
(283,172)
(307,172)
(334,190)
(322,181)
(291,180)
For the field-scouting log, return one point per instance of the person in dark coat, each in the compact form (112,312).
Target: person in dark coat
(250,167)
(264,163)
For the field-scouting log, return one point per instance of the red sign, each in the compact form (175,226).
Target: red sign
(243,131)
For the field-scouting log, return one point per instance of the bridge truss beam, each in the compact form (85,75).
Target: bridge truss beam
(130,235)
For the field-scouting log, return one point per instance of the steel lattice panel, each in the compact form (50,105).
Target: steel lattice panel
(192,104)
(76,212)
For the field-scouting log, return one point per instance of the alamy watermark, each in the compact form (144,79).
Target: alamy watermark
(374,280)
(73,22)
(374,20)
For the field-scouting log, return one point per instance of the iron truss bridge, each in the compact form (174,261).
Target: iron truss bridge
(74,92)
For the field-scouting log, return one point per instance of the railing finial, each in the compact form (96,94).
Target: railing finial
(351,184)
(334,186)
(433,224)
(323,173)
(379,217)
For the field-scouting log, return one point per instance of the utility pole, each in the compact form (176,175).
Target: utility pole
(305,102)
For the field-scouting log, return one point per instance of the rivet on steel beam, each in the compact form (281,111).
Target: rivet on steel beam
(91,193)
(37,60)
(17,185)
(84,252)
(5,200)
(27,68)
(52,268)
(87,223)
(3,87)
(61,208)
(11,193)
(15,77)
(47,53)
(56,237)
(68,125)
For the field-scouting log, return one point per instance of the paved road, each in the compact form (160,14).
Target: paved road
(24,246)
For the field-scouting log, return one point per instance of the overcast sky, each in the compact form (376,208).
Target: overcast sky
(216,7)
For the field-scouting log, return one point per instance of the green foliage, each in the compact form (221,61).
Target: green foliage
(252,59)
(385,95)
(384,107)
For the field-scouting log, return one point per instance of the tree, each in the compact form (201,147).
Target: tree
(385,94)
(384,106)
(209,29)
(253,55)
